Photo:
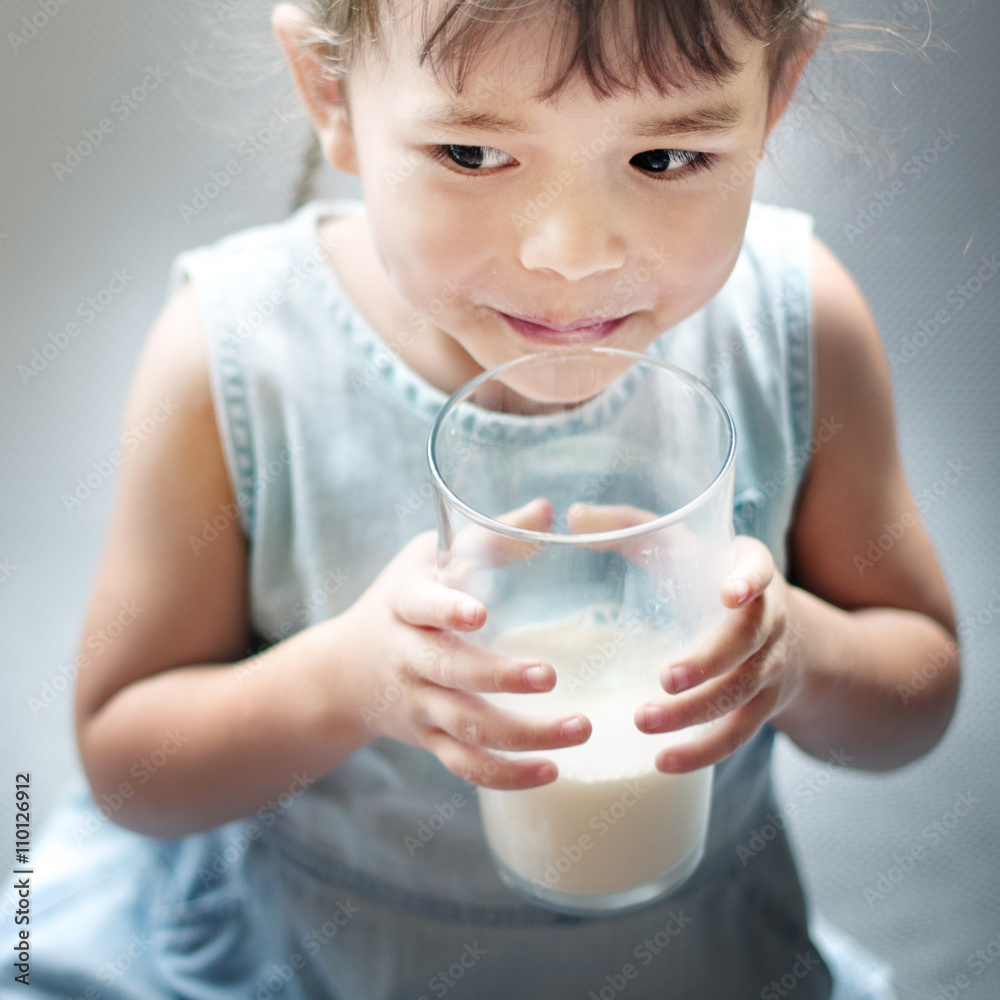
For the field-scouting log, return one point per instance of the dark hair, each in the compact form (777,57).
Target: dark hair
(665,42)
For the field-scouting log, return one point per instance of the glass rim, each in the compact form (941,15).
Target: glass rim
(582,539)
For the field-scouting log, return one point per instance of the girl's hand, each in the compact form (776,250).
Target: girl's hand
(421,683)
(744,675)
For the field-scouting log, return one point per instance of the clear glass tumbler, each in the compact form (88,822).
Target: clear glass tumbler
(648,450)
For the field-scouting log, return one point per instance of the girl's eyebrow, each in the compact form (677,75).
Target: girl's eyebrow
(713,119)
(458,116)
(724,117)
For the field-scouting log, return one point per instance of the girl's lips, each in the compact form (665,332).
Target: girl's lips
(583,332)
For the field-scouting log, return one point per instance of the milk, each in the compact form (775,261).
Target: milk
(610,822)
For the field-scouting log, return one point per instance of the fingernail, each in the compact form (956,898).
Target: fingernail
(741,590)
(572,730)
(546,773)
(536,677)
(680,679)
(668,762)
(468,611)
(653,717)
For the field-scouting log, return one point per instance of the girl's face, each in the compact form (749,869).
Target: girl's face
(513,224)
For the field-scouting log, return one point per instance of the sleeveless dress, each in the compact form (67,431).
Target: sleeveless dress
(335,889)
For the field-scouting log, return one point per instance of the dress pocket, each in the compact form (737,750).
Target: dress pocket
(218,920)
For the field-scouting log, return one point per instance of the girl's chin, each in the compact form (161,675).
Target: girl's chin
(564,379)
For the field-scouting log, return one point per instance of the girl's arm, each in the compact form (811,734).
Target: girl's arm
(178,728)
(854,656)
(173,729)
(858,544)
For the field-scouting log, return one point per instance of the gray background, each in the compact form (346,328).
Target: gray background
(120,208)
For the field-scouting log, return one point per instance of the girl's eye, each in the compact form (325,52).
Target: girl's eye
(662,161)
(476,157)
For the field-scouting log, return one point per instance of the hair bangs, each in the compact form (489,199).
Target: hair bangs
(618,45)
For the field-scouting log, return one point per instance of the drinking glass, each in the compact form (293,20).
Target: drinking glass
(645,451)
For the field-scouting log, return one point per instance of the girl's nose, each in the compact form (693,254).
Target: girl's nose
(573,240)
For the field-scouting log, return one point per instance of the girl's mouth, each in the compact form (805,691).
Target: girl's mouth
(584,331)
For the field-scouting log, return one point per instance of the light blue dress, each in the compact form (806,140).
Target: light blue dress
(322,893)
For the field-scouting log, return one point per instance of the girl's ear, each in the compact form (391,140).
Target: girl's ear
(323,95)
(813,31)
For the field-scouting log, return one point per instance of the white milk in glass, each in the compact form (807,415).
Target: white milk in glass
(610,822)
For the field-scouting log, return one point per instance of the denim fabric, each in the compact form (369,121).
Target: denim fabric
(324,432)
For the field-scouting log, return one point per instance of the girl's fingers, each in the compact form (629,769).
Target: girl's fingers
(536,515)
(446,661)
(477,546)
(660,553)
(753,570)
(470,719)
(585,518)
(705,703)
(429,604)
(739,637)
(480,767)
(720,740)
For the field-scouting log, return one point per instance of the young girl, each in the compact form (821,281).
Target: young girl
(282,744)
